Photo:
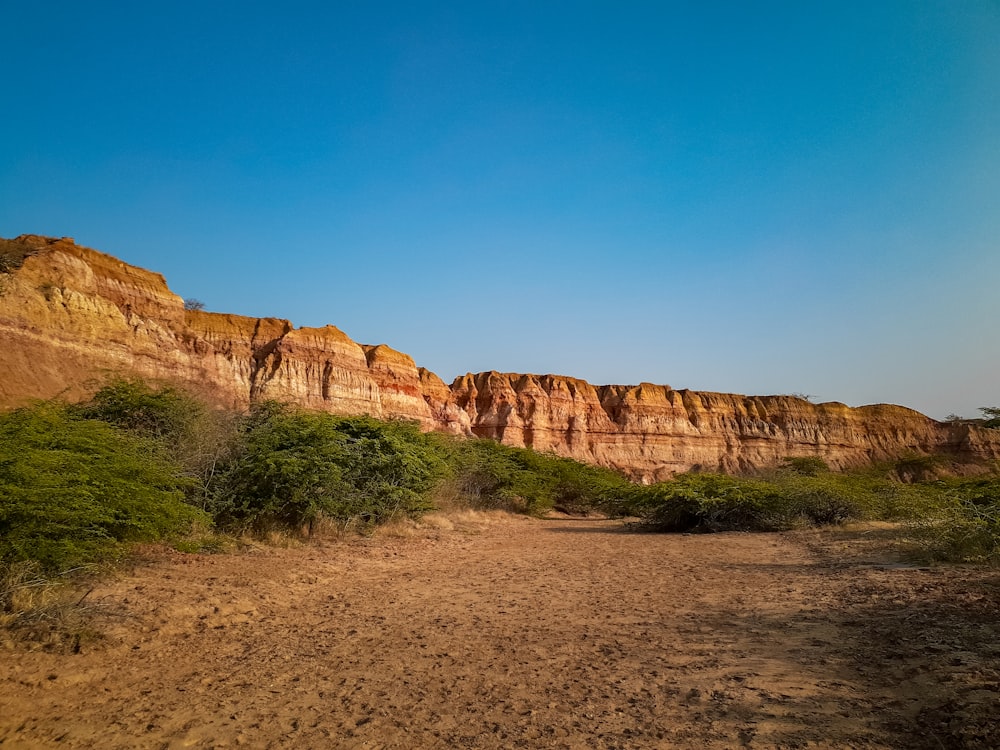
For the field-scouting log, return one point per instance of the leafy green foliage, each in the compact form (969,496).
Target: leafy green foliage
(164,413)
(707,502)
(808,466)
(992,416)
(783,499)
(78,483)
(73,490)
(199,439)
(835,498)
(292,467)
(491,475)
(966,527)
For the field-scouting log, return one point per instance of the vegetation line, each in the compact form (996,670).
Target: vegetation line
(80,483)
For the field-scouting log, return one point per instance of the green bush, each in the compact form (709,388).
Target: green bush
(198,438)
(165,413)
(779,500)
(966,526)
(75,490)
(833,498)
(708,502)
(808,466)
(490,475)
(991,416)
(291,467)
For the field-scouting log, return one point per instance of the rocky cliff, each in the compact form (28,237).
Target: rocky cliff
(69,316)
(652,431)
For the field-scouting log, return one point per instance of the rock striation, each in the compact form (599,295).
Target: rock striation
(652,431)
(70,316)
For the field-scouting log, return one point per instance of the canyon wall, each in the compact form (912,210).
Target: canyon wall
(71,316)
(652,431)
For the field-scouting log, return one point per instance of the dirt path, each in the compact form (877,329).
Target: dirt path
(505,632)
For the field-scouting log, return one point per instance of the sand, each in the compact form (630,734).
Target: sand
(494,631)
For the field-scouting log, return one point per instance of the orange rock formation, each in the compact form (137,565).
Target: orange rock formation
(70,315)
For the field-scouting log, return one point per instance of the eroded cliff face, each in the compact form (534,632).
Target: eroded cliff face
(652,431)
(69,316)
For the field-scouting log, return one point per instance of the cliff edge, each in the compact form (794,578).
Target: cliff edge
(70,315)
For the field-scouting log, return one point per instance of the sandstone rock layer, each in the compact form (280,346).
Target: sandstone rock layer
(70,316)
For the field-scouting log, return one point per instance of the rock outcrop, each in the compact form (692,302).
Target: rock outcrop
(70,315)
(652,431)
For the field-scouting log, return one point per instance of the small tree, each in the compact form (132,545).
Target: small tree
(992,414)
(291,467)
(74,490)
(129,403)
(808,466)
(193,304)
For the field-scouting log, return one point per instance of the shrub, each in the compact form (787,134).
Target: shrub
(490,475)
(783,499)
(966,527)
(291,467)
(494,476)
(75,490)
(165,413)
(916,467)
(808,466)
(196,437)
(709,502)
(991,415)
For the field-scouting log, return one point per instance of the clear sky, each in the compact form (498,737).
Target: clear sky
(766,197)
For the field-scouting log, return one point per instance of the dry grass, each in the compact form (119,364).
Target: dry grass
(47,613)
(467,521)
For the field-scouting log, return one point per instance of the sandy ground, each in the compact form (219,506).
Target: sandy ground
(502,632)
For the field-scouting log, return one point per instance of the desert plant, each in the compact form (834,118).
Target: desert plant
(292,467)
(808,466)
(490,475)
(74,490)
(163,413)
(966,527)
(709,502)
(195,436)
(992,416)
(915,467)
(781,499)
(193,304)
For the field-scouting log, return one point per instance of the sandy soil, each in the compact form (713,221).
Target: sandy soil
(502,632)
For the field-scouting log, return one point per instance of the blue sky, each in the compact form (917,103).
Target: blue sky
(757,198)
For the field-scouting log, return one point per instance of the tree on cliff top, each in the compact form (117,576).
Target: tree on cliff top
(992,414)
